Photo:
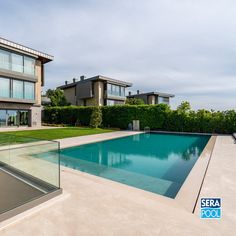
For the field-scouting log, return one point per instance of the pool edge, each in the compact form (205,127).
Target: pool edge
(191,188)
(187,195)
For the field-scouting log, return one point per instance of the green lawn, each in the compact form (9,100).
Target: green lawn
(59,133)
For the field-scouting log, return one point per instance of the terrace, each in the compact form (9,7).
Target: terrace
(113,208)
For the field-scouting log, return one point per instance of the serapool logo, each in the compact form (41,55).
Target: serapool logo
(210,208)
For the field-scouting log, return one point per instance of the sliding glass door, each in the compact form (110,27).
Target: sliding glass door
(3,122)
(10,118)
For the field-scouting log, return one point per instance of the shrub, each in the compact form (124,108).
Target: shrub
(96,117)
(57,97)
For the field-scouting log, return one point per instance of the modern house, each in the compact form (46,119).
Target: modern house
(96,91)
(21,78)
(152,98)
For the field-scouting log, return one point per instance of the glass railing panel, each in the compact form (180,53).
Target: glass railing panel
(115,93)
(26,156)
(25,172)
(29,69)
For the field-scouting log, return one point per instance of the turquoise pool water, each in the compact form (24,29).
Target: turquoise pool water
(154,162)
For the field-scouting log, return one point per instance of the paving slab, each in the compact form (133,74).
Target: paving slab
(220,182)
(97,206)
(74,141)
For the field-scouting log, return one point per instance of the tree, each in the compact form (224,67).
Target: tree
(134,101)
(57,97)
(96,117)
(184,107)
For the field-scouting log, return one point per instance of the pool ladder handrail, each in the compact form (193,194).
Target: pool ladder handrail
(146,129)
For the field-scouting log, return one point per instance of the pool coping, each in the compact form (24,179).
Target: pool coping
(191,188)
(94,138)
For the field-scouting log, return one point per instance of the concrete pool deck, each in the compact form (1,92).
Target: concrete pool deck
(91,205)
(74,141)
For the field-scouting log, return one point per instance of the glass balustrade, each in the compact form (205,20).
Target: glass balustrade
(26,173)
(115,90)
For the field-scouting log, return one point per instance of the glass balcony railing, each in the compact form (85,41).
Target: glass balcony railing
(115,93)
(29,69)
(25,172)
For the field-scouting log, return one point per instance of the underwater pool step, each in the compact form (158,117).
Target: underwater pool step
(148,183)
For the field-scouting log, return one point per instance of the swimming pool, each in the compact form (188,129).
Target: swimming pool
(154,162)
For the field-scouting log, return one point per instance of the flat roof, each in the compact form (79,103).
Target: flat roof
(43,56)
(97,78)
(153,93)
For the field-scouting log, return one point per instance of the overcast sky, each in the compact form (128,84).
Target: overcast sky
(184,47)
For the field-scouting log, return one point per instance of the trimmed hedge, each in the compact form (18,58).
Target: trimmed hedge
(67,115)
(157,117)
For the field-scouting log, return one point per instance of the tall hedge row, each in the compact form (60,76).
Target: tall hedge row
(157,117)
(70,115)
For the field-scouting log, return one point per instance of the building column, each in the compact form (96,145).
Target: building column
(151,100)
(99,93)
(35,116)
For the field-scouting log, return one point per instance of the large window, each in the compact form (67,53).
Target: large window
(4,59)
(16,62)
(17,89)
(115,90)
(29,90)
(4,87)
(122,91)
(114,102)
(29,64)
(164,100)
(14,118)
(11,88)
(2,118)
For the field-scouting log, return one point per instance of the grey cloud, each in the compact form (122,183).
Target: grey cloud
(184,47)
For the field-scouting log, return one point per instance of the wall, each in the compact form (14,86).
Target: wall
(141,96)
(90,102)
(70,95)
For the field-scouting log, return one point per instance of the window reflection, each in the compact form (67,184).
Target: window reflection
(2,118)
(4,59)
(114,102)
(164,100)
(19,89)
(115,90)
(29,64)
(4,87)
(14,118)
(16,62)
(29,90)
